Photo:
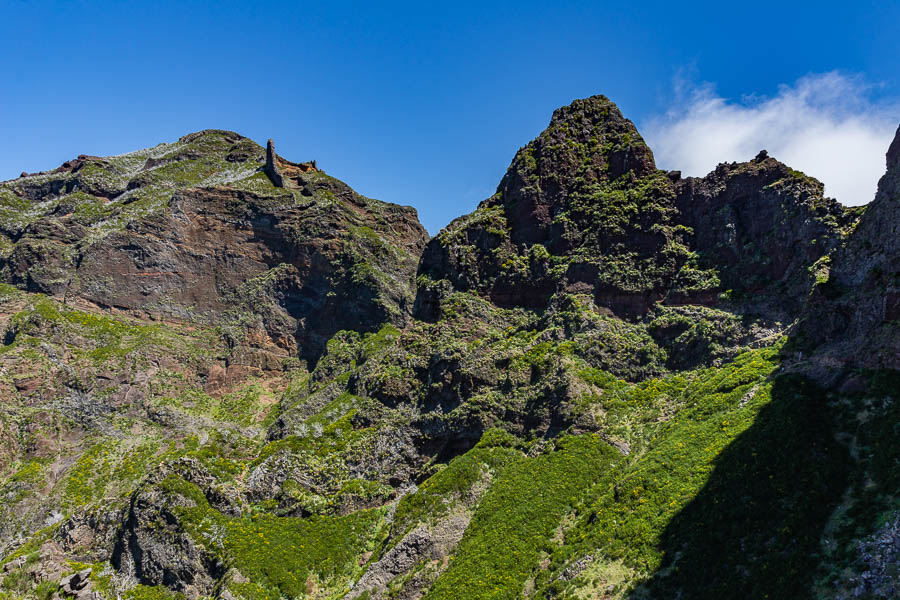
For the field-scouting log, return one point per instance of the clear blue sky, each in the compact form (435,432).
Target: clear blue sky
(416,103)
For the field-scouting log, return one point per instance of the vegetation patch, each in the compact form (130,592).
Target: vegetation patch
(514,522)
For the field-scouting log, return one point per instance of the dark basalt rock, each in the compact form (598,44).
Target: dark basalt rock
(582,209)
(581,298)
(561,215)
(153,546)
(852,317)
(759,225)
(271,168)
(590,140)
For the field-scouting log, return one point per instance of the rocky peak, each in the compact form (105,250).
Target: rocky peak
(877,239)
(586,141)
(582,209)
(195,230)
(598,123)
(212,135)
(854,309)
(760,225)
(157,428)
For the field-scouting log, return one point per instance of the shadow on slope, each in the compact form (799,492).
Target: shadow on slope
(754,529)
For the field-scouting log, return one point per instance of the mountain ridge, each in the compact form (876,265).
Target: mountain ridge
(232,376)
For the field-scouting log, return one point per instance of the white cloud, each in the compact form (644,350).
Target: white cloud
(826,125)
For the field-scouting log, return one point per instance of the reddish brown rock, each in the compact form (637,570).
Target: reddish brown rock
(583,209)
(293,266)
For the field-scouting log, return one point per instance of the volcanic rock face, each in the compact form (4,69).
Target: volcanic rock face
(759,226)
(582,209)
(587,143)
(853,314)
(225,374)
(567,217)
(194,230)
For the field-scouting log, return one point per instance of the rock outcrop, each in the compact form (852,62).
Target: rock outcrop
(583,209)
(853,315)
(193,231)
(757,228)
(271,168)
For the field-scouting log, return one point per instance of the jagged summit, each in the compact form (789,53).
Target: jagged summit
(597,121)
(583,209)
(854,310)
(588,141)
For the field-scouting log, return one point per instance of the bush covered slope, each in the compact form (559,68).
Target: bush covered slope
(606,382)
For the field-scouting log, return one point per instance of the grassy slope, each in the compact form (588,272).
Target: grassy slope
(733,475)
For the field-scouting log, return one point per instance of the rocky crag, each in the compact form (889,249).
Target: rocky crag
(226,374)
(852,316)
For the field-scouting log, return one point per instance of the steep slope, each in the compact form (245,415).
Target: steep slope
(196,231)
(854,312)
(759,226)
(583,210)
(164,300)
(594,401)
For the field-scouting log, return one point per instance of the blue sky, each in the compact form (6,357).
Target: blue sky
(426,103)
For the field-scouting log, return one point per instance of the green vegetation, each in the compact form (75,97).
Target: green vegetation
(148,592)
(280,555)
(439,493)
(738,452)
(89,476)
(575,412)
(244,406)
(868,419)
(110,338)
(515,521)
(283,553)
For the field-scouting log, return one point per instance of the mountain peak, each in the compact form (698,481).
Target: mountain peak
(183,226)
(601,352)
(587,142)
(592,132)
(587,191)
(596,104)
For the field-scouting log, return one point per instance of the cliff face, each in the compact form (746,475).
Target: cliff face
(196,231)
(854,310)
(583,210)
(226,374)
(761,226)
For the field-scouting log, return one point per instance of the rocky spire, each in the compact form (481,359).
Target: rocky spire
(588,140)
(893,153)
(272,169)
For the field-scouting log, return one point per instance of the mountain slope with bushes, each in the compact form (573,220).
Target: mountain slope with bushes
(229,375)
